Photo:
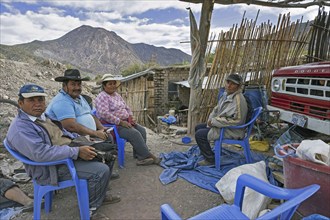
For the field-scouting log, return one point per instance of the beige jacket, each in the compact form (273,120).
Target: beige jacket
(231,110)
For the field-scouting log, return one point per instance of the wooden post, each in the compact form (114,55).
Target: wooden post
(195,93)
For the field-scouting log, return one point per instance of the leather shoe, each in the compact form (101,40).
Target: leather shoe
(157,160)
(145,162)
(98,216)
(205,163)
(114,176)
(110,199)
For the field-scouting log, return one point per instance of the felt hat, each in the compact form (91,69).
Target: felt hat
(71,74)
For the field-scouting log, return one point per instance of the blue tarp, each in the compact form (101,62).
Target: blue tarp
(169,119)
(184,165)
(9,213)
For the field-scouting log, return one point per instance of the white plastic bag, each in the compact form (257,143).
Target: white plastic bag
(253,201)
(314,150)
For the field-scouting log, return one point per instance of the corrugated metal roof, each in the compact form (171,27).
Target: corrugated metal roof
(137,75)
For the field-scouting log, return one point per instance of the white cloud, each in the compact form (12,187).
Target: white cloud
(104,16)
(10,8)
(126,7)
(50,10)
(22,28)
(123,17)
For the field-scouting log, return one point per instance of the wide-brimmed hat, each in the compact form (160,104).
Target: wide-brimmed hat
(71,74)
(31,90)
(110,77)
(235,78)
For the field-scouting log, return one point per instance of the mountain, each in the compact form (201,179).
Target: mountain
(93,50)
(161,55)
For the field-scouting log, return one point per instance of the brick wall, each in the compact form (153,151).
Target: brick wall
(162,78)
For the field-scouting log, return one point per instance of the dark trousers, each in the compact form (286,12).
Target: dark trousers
(97,175)
(201,131)
(137,137)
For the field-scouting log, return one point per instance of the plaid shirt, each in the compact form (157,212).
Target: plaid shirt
(111,108)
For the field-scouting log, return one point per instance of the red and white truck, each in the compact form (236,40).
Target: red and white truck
(302,95)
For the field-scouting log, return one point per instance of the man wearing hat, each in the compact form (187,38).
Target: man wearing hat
(34,135)
(72,110)
(231,110)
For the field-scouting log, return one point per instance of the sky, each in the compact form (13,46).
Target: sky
(156,22)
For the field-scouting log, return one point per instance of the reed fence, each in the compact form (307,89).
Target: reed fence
(253,51)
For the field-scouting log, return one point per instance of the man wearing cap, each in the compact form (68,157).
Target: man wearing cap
(33,134)
(72,110)
(231,110)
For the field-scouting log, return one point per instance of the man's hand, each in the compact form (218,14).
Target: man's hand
(87,152)
(209,123)
(125,124)
(101,134)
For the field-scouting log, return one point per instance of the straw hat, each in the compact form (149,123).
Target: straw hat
(110,77)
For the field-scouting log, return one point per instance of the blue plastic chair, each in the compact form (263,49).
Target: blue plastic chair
(293,197)
(244,142)
(46,191)
(120,142)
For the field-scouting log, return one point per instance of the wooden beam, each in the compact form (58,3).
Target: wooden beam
(204,29)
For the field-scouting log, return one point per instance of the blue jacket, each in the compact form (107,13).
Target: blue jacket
(32,141)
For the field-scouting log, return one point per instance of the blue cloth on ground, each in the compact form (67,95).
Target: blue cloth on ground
(9,213)
(169,119)
(316,217)
(184,165)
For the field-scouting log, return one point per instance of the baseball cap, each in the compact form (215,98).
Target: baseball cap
(235,78)
(31,90)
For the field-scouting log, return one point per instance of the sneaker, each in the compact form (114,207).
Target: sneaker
(204,163)
(145,162)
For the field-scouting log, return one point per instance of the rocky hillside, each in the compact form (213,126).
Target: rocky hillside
(93,50)
(15,74)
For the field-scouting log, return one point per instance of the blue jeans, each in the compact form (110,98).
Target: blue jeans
(201,131)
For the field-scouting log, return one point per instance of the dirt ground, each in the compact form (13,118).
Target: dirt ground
(140,189)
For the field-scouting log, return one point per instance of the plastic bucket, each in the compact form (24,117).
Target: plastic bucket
(257,96)
(299,173)
(186,140)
